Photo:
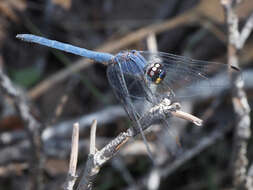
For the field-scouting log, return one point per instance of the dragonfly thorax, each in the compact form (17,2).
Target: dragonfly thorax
(156,73)
(130,62)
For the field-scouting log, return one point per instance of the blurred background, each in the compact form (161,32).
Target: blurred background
(59,93)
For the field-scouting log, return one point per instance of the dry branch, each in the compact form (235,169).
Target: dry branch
(71,178)
(242,133)
(97,159)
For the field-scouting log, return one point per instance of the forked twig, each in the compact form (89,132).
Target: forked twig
(97,159)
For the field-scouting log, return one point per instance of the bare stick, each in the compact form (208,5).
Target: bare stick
(246,31)
(241,107)
(93,137)
(71,178)
(188,117)
(166,109)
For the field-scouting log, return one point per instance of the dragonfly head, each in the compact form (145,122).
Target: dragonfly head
(156,73)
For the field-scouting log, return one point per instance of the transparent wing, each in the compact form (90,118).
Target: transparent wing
(131,91)
(186,77)
(123,84)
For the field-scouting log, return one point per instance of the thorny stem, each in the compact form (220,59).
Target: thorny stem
(242,131)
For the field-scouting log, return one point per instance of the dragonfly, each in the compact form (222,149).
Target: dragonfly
(141,79)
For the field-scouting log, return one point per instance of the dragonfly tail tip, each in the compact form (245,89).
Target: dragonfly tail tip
(20,36)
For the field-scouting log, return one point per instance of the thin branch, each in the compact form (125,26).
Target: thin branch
(71,177)
(164,110)
(188,117)
(241,107)
(246,31)
(96,161)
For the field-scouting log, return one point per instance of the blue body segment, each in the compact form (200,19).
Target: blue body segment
(96,56)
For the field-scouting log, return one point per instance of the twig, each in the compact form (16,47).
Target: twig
(95,161)
(246,31)
(166,109)
(188,117)
(93,137)
(33,130)
(71,178)
(242,129)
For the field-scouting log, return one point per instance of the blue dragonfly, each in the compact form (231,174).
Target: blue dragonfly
(141,79)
